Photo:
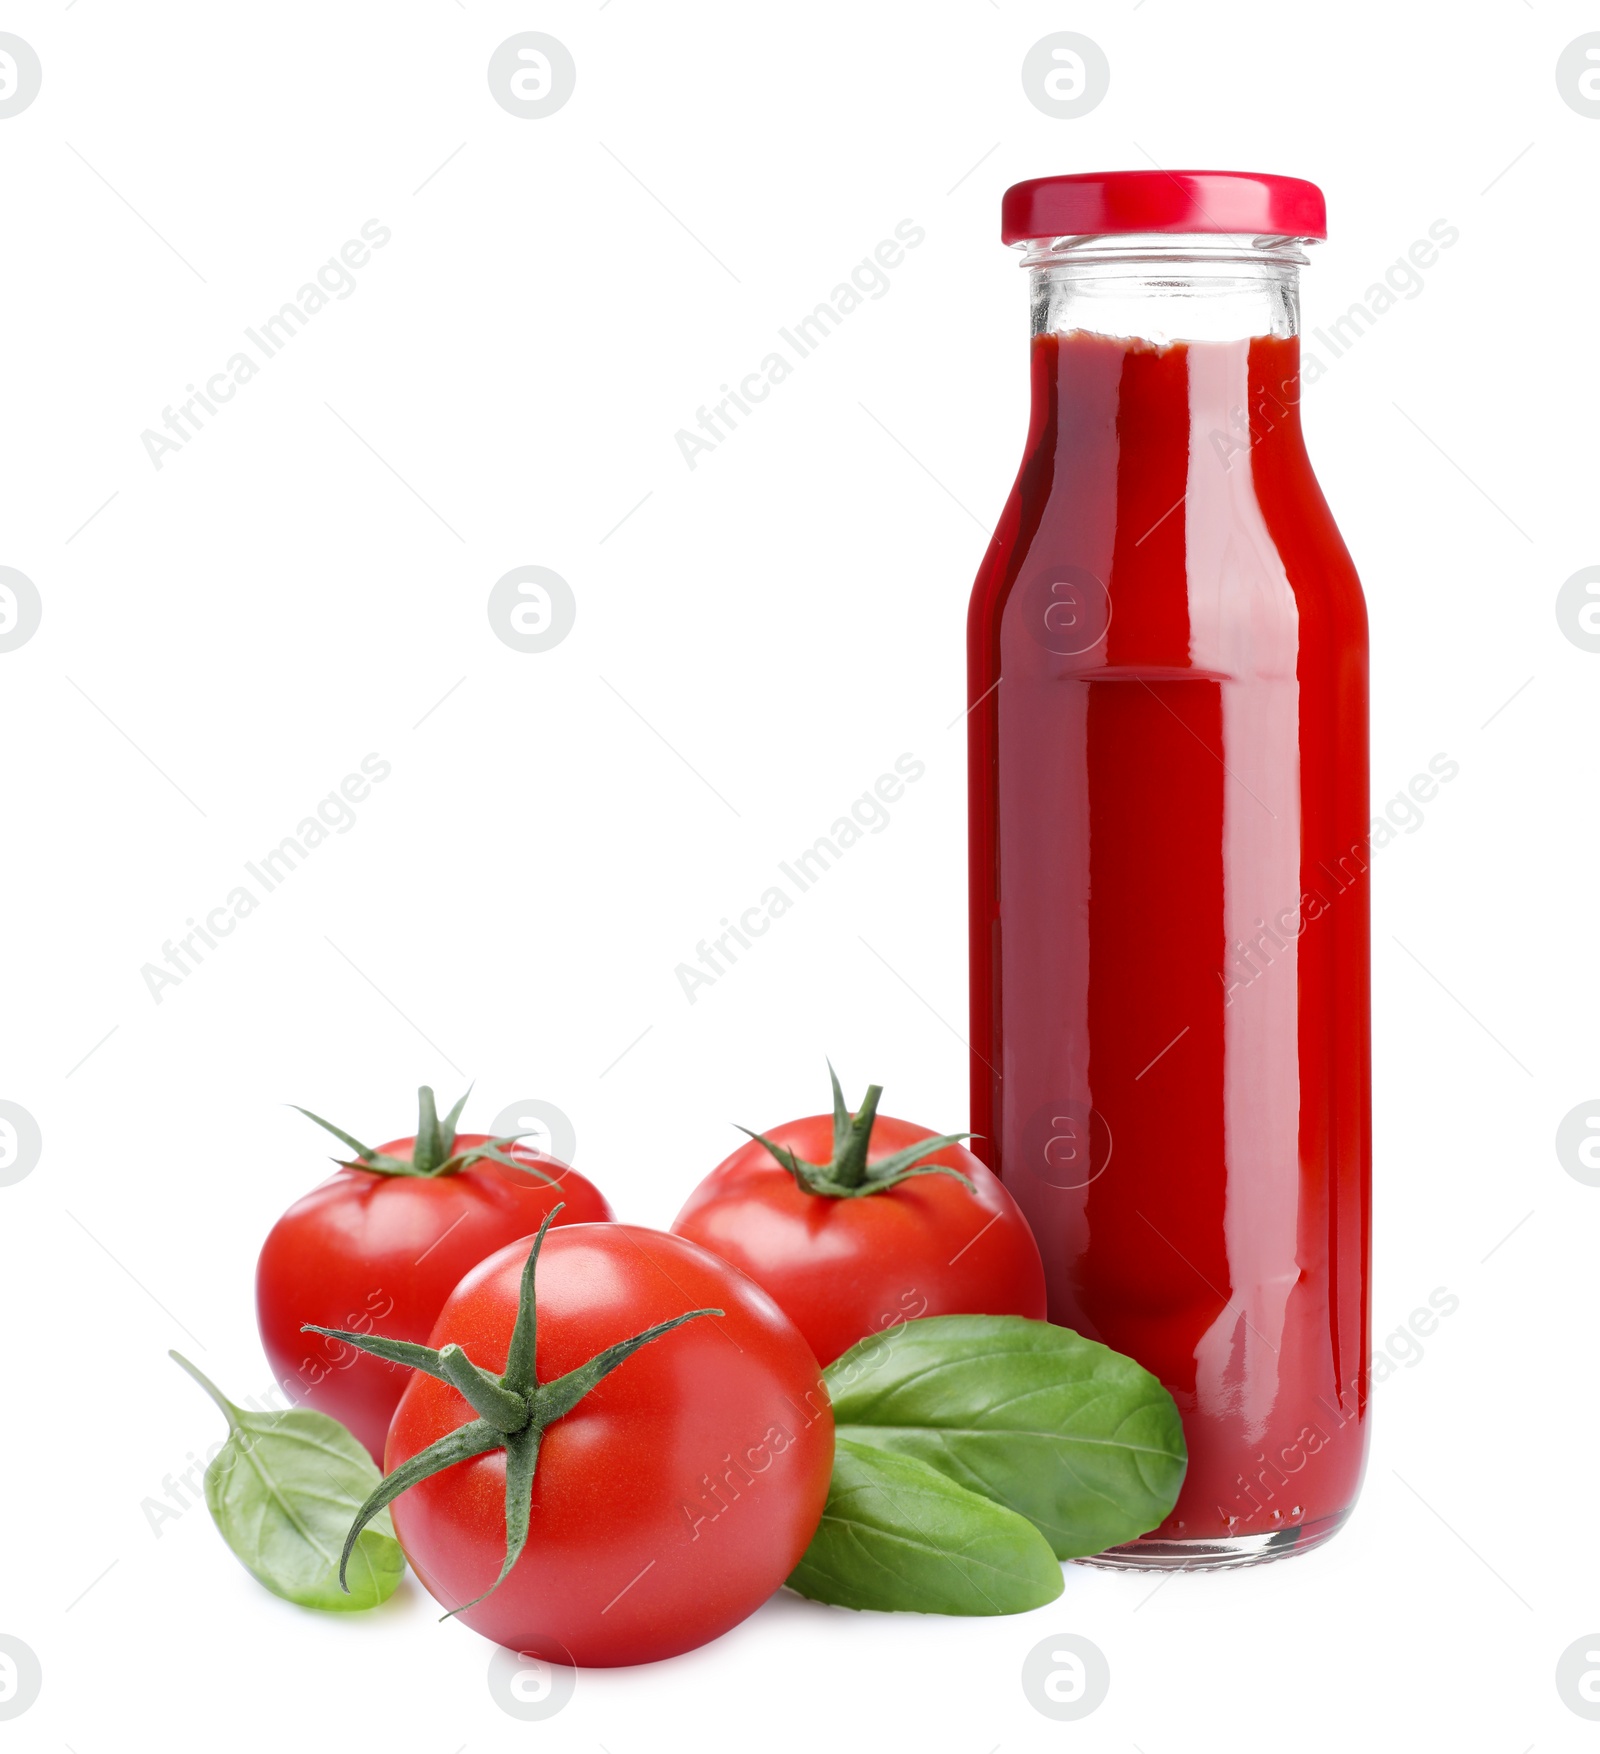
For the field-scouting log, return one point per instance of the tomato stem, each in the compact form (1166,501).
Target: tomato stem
(433,1149)
(847,1174)
(503,1408)
(853,1134)
(514,1408)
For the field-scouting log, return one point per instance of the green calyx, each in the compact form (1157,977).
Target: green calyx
(847,1175)
(514,1410)
(434,1151)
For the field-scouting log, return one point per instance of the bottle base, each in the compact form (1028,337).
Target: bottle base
(1223,1553)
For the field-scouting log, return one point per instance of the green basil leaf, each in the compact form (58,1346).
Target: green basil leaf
(896,1533)
(1078,1439)
(283,1490)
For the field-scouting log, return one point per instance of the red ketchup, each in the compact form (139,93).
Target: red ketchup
(1169,898)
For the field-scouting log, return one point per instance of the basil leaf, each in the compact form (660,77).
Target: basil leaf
(283,1490)
(1078,1439)
(896,1533)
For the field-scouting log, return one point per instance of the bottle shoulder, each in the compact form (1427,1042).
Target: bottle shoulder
(1253,575)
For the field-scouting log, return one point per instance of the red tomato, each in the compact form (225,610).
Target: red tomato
(850,1234)
(379,1252)
(670,1502)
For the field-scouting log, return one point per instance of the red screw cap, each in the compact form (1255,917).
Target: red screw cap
(1241,203)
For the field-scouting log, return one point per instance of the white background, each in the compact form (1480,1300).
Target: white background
(759,640)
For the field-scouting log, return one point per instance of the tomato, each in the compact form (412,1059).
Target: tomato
(855,1223)
(658,1511)
(380,1245)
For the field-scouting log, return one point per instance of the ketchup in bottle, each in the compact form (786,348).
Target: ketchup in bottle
(1168,794)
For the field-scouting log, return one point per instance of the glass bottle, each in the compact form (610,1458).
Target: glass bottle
(1169,844)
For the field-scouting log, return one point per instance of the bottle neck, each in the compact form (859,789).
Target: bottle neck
(1162,288)
(1169,342)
